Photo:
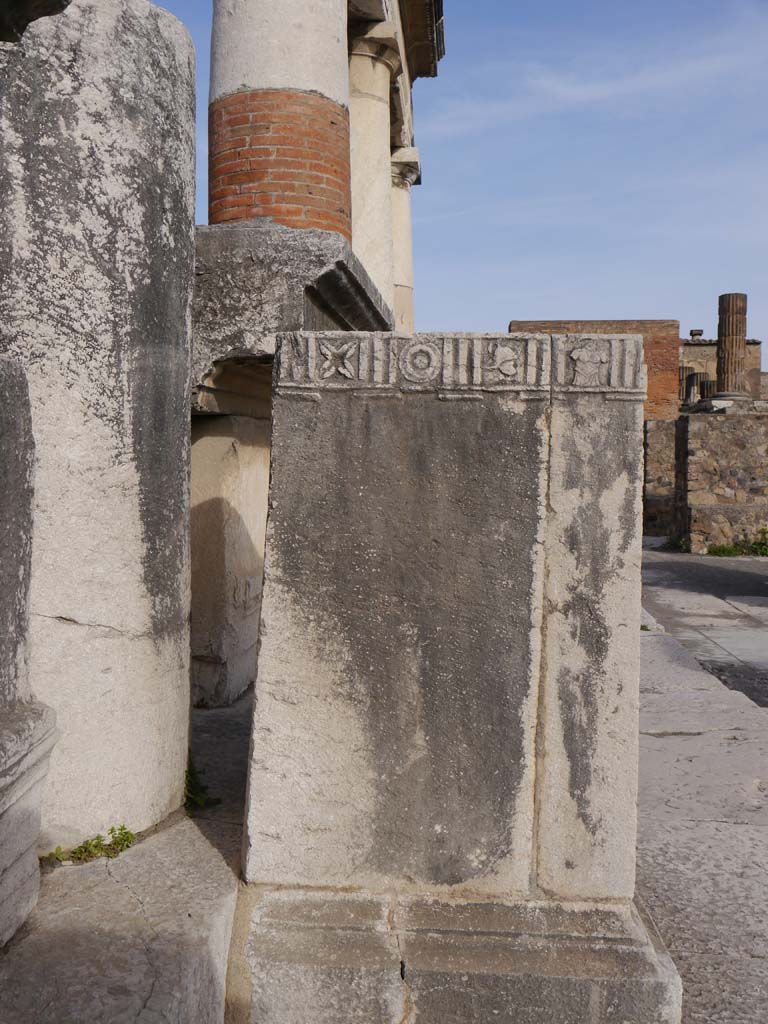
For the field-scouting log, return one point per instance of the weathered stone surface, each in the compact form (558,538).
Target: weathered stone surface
(721,489)
(731,344)
(404,699)
(97,186)
(412,776)
(26,728)
(144,937)
(390,960)
(27,735)
(586,824)
(253,281)
(17,459)
(230,479)
(447,692)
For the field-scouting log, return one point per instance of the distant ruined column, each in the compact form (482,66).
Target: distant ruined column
(373,63)
(279,114)
(406,172)
(731,345)
(97,143)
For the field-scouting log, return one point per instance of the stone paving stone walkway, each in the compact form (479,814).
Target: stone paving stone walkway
(145,938)
(716,607)
(703,845)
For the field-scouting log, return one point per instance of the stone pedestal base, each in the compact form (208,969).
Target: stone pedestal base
(27,735)
(394,960)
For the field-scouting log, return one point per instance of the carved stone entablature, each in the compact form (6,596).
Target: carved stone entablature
(17,15)
(593,362)
(464,363)
(421,362)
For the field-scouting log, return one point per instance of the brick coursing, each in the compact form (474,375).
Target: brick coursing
(661,341)
(282,155)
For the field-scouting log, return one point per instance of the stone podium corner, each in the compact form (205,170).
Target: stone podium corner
(441,818)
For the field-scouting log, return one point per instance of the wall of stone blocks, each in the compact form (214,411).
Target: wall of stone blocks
(721,479)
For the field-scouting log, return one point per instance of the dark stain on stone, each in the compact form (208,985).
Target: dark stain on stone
(159,342)
(406,529)
(124,347)
(17,456)
(588,537)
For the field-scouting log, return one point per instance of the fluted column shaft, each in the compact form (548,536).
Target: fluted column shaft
(732,344)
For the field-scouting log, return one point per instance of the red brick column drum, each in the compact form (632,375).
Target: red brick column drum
(283,155)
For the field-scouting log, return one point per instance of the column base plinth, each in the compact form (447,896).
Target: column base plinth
(340,958)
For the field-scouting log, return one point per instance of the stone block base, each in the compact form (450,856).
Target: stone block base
(27,735)
(343,958)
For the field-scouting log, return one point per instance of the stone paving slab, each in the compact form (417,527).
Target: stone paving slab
(703,839)
(144,938)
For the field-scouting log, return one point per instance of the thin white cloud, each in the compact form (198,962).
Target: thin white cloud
(659,69)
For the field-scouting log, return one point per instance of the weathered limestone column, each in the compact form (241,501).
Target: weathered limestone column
(731,345)
(26,727)
(406,172)
(96,252)
(230,481)
(279,113)
(373,63)
(441,815)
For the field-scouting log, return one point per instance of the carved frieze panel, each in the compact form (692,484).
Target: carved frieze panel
(464,364)
(593,362)
(422,362)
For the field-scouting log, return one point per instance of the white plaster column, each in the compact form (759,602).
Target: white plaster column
(279,114)
(406,172)
(373,63)
(294,44)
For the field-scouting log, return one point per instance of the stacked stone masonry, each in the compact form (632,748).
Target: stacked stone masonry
(721,492)
(444,755)
(282,155)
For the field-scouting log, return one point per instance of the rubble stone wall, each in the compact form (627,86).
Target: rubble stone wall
(721,490)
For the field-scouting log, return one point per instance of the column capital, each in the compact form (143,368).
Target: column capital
(379,43)
(406,167)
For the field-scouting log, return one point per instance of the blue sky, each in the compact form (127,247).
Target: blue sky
(593,160)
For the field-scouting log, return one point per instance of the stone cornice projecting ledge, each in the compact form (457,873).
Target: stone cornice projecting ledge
(424,30)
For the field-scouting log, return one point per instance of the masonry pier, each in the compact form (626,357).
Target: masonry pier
(441,818)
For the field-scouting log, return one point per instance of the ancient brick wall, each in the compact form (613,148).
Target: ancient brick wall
(659,485)
(721,479)
(283,155)
(661,341)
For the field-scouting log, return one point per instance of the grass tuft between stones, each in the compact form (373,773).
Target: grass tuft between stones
(120,839)
(757,547)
